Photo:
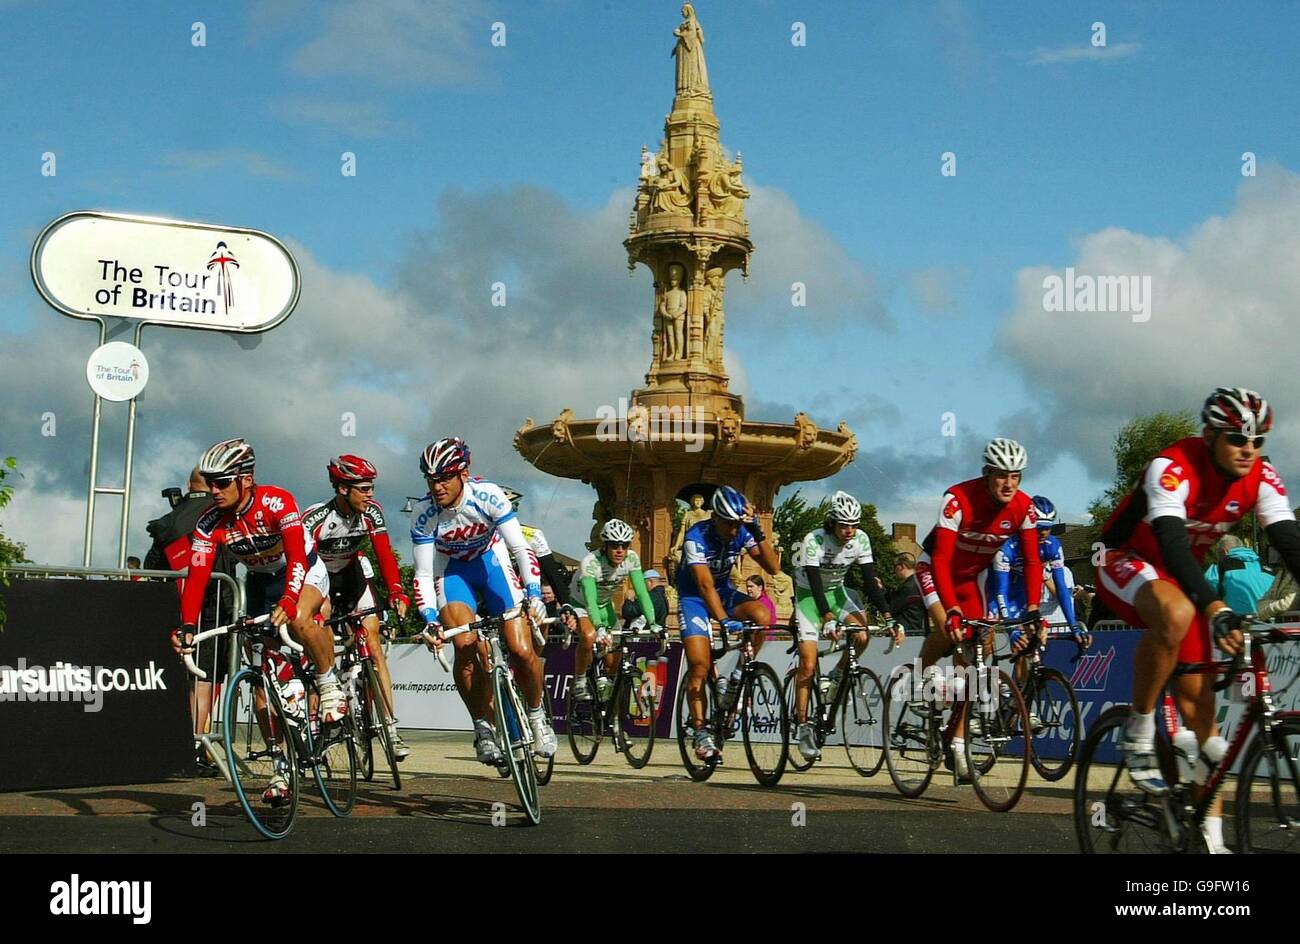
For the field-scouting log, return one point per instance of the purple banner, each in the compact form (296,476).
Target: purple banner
(559,676)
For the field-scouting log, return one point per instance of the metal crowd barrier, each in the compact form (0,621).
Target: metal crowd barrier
(211,738)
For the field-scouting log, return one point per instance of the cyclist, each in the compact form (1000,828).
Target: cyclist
(552,575)
(598,586)
(260,526)
(976,518)
(709,551)
(1005,587)
(465,532)
(1189,495)
(823,602)
(339,527)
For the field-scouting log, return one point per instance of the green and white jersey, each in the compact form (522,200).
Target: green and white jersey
(822,550)
(609,579)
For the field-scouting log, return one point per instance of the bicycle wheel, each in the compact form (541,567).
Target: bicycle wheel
(862,722)
(1051,700)
(1268,793)
(911,734)
(764,724)
(332,756)
(697,769)
(999,757)
(516,742)
(814,712)
(377,723)
(545,765)
(634,707)
(584,720)
(1111,815)
(254,760)
(360,721)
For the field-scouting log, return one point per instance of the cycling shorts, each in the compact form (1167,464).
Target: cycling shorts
(1124,574)
(489,578)
(808,621)
(693,614)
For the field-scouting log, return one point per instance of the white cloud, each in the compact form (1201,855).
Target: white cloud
(363,119)
(398,42)
(248,162)
(1223,313)
(1065,55)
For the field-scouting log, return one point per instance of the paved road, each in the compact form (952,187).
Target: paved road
(446,805)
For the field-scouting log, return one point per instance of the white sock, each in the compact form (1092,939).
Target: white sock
(326,680)
(536,714)
(1214,829)
(1142,727)
(959,748)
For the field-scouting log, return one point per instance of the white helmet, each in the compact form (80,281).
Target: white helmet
(230,457)
(845,509)
(618,531)
(1006,455)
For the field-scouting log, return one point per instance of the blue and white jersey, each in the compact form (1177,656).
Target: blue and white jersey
(1006,581)
(466,531)
(703,545)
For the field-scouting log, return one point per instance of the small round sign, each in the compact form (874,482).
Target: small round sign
(117,371)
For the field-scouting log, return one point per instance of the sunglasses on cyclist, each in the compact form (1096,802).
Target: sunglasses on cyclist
(220,481)
(1238,440)
(623,544)
(364,489)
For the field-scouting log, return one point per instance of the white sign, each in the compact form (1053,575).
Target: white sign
(170,272)
(117,371)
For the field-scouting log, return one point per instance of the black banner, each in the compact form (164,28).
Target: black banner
(90,690)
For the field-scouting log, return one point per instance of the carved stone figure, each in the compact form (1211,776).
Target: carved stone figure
(670,192)
(807,434)
(692,74)
(693,516)
(727,194)
(713,315)
(729,425)
(672,314)
(560,428)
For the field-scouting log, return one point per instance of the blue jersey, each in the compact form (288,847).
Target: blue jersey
(703,545)
(1006,581)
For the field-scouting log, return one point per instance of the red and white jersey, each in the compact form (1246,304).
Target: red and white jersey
(338,537)
(1183,482)
(972,526)
(266,536)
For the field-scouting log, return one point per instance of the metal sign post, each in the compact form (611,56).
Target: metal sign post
(95,265)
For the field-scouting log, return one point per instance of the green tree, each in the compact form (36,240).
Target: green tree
(11,552)
(1138,442)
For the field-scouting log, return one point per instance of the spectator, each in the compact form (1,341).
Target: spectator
(756,588)
(905,603)
(654,583)
(1280,597)
(133,563)
(1083,597)
(548,597)
(171,551)
(1238,575)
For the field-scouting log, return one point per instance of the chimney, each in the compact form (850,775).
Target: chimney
(899,532)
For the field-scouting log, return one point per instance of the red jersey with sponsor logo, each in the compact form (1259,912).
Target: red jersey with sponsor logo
(1183,482)
(972,526)
(266,536)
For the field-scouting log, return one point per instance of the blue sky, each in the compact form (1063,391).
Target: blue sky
(1055,142)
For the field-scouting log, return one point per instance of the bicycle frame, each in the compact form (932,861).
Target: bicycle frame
(1260,714)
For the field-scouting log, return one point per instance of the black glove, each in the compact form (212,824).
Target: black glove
(1223,622)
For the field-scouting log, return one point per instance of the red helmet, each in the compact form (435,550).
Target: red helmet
(347,470)
(1239,410)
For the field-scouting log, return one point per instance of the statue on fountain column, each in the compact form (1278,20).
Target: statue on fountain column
(694,515)
(670,192)
(692,74)
(726,193)
(672,314)
(713,316)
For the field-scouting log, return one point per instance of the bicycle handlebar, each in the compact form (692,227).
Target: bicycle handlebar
(237,626)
